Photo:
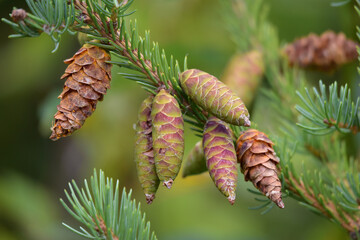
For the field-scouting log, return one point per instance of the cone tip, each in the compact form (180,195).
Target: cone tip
(168,183)
(280,204)
(53,136)
(231,199)
(247,122)
(149,198)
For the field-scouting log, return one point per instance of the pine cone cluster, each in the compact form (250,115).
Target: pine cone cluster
(258,163)
(162,147)
(87,80)
(160,128)
(325,52)
(254,152)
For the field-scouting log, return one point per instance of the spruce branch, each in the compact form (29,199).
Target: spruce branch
(323,190)
(105,21)
(331,189)
(337,201)
(137,53)
(53,17)
(329,112)
(104,214)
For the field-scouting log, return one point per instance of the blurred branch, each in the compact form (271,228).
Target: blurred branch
(328,184)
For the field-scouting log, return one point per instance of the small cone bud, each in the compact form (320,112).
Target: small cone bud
(168,137)
(18,15)
(214,96)
(325,52)
(87,80)
(220,156)
(258,164)
(195,162)
(144,155)
(243,75)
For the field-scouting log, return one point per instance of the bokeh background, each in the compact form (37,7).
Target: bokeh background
(34,170)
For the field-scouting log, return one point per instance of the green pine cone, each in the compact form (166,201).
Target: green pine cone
(220,156)
(144,155)
(195,162)
(168,137)
(215,97)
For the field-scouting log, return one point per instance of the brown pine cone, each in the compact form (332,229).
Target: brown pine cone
(87,80)
(325,52)
(258,163)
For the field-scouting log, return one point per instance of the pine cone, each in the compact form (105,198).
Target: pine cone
(243,74)
(325,52)
(168,137)
(220,156)
(87,80)
(214,96)
(144,155)
(258,163)
(195,162)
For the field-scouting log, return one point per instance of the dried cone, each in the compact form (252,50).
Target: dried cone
(325,52)
(168,137)
(195,162)
(258,163)
(243,75)
(214,96)
(87,80)
(144,155)
(220,156)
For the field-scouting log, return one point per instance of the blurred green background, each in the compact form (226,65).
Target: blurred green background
(34,170)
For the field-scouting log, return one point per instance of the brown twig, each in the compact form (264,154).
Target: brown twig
(325,206)
(354,129)
(102,229)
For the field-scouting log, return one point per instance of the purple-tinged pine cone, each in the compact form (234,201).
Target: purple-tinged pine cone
(214,96)
(168,137)
(220,156)
(144,155)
